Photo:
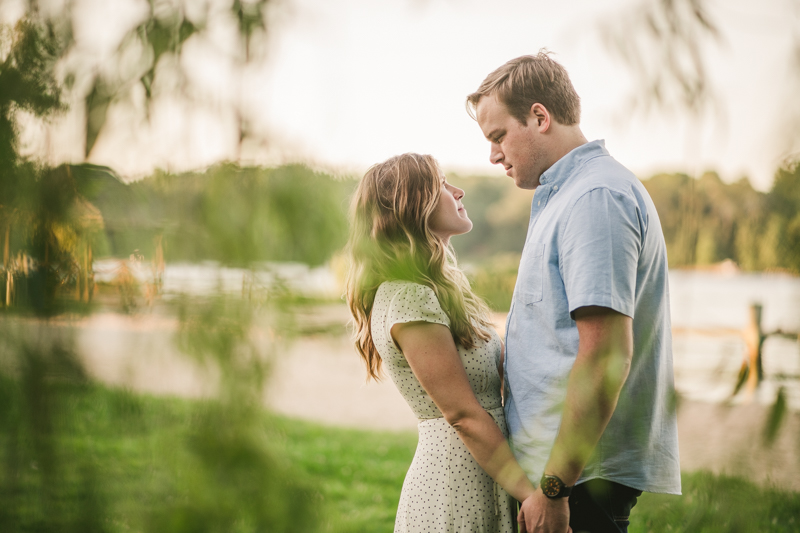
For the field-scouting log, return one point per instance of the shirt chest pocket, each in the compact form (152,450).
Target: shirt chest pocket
(531,273)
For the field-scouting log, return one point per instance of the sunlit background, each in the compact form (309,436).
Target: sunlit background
(347,84)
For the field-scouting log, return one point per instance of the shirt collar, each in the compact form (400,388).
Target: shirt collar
(563,168)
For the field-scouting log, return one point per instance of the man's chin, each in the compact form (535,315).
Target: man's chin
(526,184)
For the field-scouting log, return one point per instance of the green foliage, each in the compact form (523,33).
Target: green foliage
(27,83)
(147,53)
(232,215)
(499,212)
(214,470)
(49,228)
(712,504)
(138,463)
(111,461)
(784,207)
(358,474)
(43,488)
(349,466)
(77,457)
(704,220)
(776,417)
(494,280)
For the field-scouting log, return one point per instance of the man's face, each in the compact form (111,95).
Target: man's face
(520,149)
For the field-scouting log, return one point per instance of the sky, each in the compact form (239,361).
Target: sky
(358,83)
(347,84)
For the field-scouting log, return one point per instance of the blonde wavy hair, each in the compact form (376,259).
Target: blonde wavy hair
(390,239)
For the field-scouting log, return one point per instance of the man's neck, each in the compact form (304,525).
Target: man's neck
(569,138)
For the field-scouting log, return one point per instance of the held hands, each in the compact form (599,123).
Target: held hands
(541,514)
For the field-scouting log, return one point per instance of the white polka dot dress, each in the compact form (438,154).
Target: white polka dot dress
(445,490)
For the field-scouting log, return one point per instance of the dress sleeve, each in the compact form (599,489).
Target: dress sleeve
(414,303)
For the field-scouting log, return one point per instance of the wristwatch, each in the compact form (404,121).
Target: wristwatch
(553,487)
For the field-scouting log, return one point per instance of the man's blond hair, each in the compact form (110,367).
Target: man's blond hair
(528,80)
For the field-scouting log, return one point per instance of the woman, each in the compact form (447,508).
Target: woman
(416,316)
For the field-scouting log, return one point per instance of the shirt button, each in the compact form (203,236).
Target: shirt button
(540,202)
(555,187)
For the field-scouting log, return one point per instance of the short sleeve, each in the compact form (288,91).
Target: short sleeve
(600,250)
(414,303)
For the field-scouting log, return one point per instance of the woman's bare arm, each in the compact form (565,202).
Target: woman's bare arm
(433,357)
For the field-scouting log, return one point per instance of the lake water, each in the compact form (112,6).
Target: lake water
(209,277)
(706,365)
(711,306)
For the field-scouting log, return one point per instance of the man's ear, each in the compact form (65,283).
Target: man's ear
(541,115)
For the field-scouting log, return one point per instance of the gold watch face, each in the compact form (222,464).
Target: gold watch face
(551,486)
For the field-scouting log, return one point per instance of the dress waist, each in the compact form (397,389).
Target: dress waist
(491,411)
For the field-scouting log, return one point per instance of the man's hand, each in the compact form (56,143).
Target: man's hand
(544,515)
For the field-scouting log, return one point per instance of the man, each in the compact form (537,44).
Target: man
(590,398)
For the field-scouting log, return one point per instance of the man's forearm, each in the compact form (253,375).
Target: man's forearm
(594,385)
(592,396)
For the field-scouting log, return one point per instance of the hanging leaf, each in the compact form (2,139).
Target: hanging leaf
(97,103)
(776,416)
(147,83)
(186,30)
(251,17)
(661,42)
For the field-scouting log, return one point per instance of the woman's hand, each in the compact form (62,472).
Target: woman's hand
(540,514)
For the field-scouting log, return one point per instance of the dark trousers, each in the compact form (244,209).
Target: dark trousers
(601,506)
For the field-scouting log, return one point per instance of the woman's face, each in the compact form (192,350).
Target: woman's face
(449,217)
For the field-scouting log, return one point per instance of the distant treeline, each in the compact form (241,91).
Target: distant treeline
(291,213)
(228,214)
(704,220)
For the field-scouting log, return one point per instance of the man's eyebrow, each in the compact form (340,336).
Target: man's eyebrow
(492,135)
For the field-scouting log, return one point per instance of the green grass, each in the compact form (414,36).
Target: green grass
(718,504)
(141,460)
(110,461)
(358,474)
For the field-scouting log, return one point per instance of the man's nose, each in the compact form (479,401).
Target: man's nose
(495,155)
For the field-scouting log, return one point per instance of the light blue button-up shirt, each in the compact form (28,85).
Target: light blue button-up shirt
(594,239)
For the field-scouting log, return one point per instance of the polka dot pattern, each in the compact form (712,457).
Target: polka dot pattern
(445,489)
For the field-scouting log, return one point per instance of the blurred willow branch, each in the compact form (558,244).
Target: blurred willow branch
(49,66)
(47,225)
(51,447)
(150,56)
(665,44)
(662,43)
